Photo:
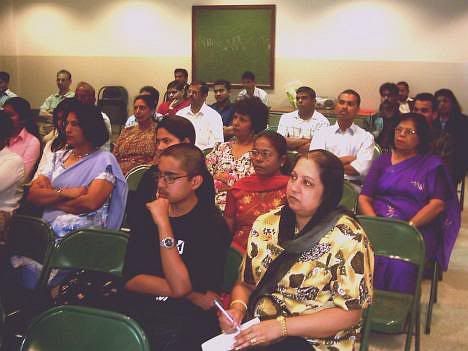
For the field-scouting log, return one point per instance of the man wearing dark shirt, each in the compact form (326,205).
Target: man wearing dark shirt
(223,104)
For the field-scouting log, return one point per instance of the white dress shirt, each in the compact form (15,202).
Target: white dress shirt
(208,125)
(260,93)
(291,125)
(354,141)
(11,179)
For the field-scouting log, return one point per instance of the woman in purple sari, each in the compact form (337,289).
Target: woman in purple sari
(413,185)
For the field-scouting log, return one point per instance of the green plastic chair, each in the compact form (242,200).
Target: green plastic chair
(349,199)
(90,249)
(273,120)
(231,269)
(292,157)
(133,176)
(377,151)
(77,328)
(393,312)
(30,237)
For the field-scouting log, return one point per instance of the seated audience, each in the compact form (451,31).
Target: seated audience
(230,161)
(175,99)
(181,75)
(425,104)
(58,139)
(452,124)
(307,272)
(250,88)
(64,80)
(406,103)
(86,94)
(174,269)
(413,185)
(137,145)
(82,186)
(389,94)
(298,127)
(261,192)
(223,104)
(352,144)
(207,122)
(146,90)
(170,131)
(11,176)
(385,123)
(24,139)
(5,93)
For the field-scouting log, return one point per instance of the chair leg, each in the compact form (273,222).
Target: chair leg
(409,333)
(462,193)
(432,297)
(417,337)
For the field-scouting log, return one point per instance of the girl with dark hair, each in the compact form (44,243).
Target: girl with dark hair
(307,271)
(24,139)
(176,99)
(261,192)
(136,145)
(413,185)
(174,269)
(230,161)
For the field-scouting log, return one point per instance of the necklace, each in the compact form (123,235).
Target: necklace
(80,156)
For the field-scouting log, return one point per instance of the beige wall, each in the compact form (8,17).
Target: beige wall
(329,45)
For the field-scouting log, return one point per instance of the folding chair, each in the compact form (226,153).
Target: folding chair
(133,176)
(349,199)
(77,328)
(436,276)
(394,312)
(90,249)
(113,101)
(377,151)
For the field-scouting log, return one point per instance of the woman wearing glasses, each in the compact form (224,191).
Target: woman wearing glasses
(230,161)
(413,185)
(174,269)
(261,192)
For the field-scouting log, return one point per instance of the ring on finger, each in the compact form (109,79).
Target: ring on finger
(253,340)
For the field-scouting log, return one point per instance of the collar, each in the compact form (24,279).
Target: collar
(67,94)
(299,117)
(351,130)
(228,105)
(201,112)
(20,136)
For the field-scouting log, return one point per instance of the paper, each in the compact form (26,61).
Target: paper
(224,342)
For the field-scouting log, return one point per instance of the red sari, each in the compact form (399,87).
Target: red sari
(249,198)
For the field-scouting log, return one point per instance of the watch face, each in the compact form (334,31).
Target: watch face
(167,242)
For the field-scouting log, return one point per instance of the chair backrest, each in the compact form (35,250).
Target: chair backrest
(113,101)
(349,198)
(377,151)
(292,157)
(30,237)
(394,238)
(134,176)
(90,249)
(207,151)
(77,328)
(231,269)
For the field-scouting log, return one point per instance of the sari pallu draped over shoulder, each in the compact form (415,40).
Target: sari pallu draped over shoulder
(83,173)
(406,187)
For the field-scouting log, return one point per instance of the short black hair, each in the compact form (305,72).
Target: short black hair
(60,112)
(181,70)
(176,84)
(91,122)
(403,83)
(307,90)
(178,126)
(5,76)
(427,97)
(451,96)
(204,89)
(256,110)
(224,82)
(148,99)
(248,75)
(391,87)
(352,92)
(6,128)
(152,91)
(423,131)
(64,71)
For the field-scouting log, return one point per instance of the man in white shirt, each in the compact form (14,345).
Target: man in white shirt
(406,103)
(250,89)
(5,93)
(86,94)
(207,122)
(353,145)
(63,85)
(298,127)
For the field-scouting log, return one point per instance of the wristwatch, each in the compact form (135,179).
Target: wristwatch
(167,242)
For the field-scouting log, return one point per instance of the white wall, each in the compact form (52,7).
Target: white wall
(329,45)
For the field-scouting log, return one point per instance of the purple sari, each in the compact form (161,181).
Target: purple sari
(399,191)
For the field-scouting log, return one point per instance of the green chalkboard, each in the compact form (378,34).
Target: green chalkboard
(229,40)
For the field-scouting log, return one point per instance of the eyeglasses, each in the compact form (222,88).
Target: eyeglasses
(264,154)
(404,131)
(169,178)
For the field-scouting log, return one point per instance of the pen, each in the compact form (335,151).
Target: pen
(227,315)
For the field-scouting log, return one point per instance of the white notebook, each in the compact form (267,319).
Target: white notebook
(224,342)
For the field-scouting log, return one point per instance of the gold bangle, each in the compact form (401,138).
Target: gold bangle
(284,327)
(239,302)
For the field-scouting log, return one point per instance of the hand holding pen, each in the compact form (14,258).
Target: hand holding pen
(229,320)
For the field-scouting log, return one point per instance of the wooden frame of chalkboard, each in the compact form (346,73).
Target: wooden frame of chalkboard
(228,40)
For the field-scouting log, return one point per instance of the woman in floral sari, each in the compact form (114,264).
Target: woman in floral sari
(412,185)
(261,192)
